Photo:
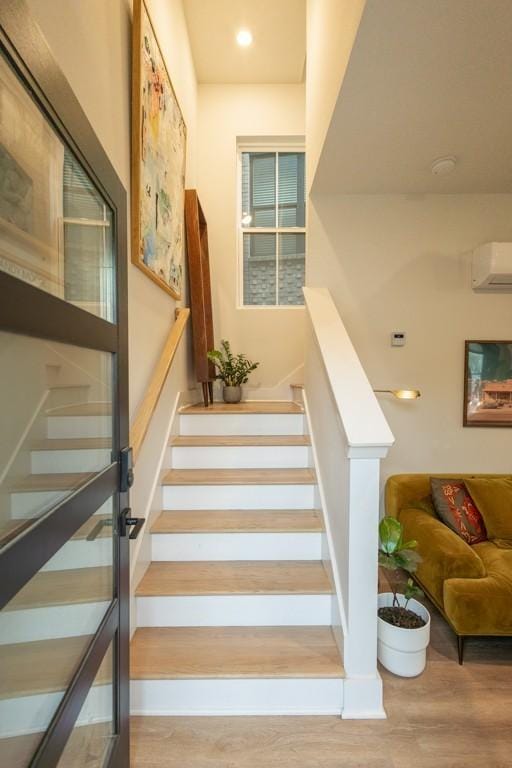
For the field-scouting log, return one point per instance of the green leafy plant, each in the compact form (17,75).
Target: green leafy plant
(397,556)
(233,370)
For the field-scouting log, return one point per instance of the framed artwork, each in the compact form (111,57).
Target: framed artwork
(158,162)
(488,384)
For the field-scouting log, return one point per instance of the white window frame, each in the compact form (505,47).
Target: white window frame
(266,147)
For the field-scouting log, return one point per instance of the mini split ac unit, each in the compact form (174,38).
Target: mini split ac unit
(492,268)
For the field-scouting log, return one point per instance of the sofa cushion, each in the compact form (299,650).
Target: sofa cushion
(457,510)
(482,606)
(444,554)
(493,498)
(426,504)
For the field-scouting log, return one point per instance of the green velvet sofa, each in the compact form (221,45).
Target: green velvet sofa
(471,585)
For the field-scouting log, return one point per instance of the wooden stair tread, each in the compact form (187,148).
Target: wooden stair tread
(43,666)
(239,521)
(236,577)
(251,406)
(234,652)
(82,409)
(239,477)
(50,482)
(72,444)
(67,587)
(221,441)
(90,524)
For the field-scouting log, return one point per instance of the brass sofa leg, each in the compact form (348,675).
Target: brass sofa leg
(460,648)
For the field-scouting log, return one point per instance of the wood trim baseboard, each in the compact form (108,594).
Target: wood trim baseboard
(147,407)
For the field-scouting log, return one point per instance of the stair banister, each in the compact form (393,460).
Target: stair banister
(147,407)
(350,436)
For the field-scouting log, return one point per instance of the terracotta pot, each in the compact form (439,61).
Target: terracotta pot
(232,394)
(403,651)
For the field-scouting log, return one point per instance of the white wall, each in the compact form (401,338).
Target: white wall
(91,42)
(331,30)
(397,262)
(273,336)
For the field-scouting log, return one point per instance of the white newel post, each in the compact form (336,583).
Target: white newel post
(363,685)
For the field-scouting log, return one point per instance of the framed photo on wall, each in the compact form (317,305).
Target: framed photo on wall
(159,138)
(488,384)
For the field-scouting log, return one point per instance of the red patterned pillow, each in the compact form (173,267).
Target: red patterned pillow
(457,509)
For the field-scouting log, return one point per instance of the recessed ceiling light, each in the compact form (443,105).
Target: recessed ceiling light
(444,165)
(244,37)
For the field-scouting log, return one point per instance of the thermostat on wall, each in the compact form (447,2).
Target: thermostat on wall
(398,338)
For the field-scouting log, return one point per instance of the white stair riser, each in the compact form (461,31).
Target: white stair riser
(32,714)
(238,497)
(78,426)
(236,546)
(267,696)
(234,611)
(50,623)
(32,503)
(242,424)
(240,457)
(80,553)
(89,460)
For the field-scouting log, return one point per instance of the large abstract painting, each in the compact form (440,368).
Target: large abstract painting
(158,162)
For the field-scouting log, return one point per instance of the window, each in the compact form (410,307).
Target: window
(272,226)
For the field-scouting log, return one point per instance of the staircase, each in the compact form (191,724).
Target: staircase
(46,628)
(234,612)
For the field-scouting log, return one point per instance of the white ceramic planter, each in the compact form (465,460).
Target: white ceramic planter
(231,394)
(403,651)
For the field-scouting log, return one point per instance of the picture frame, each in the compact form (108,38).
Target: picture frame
(487,384)
(159,138)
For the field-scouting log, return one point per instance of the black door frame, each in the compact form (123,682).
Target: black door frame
(48,317)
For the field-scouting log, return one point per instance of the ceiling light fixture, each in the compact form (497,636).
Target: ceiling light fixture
(244,37)
(401,394)
(444,165)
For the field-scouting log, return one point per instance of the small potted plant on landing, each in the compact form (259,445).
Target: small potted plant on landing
(233,370)
(403,622)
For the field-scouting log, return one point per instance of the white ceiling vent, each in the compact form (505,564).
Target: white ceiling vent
(492,268)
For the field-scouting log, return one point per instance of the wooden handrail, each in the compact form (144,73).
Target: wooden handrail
(147,407)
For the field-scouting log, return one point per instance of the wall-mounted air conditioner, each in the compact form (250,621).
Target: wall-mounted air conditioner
(492,268)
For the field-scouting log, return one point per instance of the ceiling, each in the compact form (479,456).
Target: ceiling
(426,79)
(278,51)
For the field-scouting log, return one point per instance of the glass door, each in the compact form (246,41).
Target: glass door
(64,458)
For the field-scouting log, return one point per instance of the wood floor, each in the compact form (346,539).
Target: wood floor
(450,717)
(160,653)
(235,577)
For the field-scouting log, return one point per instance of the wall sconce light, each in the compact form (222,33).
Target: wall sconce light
(401,394)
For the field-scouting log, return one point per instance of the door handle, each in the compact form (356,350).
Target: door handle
(126,520)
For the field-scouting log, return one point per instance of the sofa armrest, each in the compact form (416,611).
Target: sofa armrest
(444,554)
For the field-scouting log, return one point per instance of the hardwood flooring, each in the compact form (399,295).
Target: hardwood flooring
(235,577)
(239,521)
(67,587)
(224,441)
(255,406)
(239,477)
(234,652)
(449,717)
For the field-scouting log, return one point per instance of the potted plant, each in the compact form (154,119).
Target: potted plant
(233,370)
(403,622)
